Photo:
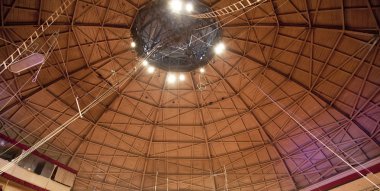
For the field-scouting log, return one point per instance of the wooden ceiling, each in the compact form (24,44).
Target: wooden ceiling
(317,59)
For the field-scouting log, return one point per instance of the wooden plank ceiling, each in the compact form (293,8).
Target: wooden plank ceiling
(319,60)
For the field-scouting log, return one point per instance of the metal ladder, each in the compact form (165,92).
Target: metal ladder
(230,9)
(35,35)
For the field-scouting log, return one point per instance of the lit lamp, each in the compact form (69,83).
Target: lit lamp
(175,5)
(151,69)
(189,7)
(181,77)
(133,44)
(171,78)
(219,48)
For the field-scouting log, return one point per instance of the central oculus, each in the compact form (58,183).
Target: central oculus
(175,41)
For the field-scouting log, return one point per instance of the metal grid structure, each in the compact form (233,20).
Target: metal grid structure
(318,59)
(183,43)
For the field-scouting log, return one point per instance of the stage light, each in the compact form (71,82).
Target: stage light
(175,5)
(133,44)
(145,63)
(219,48)
(189,7)
(202,70)
(151,69)
(171,78)
(181,77)
(174,30)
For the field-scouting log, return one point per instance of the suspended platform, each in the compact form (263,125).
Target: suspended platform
(27,62)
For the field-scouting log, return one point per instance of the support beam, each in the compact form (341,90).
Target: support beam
(348,30)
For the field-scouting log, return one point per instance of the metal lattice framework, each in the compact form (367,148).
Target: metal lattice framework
(318,59)
(183,43)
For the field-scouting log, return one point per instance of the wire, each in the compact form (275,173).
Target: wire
(238,16)
(38,128)
(287,112)
(107,93)
(229,9)
(15,94)
(31,78)
(311,134)
(96,101)
(66,73)
(34,36)
(219,21)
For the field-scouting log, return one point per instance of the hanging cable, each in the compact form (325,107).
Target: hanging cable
(47,53)
(155,183)
(66,74)
(260,20)
(96,101)
(225,179)
(34,36)
(15,94)
(35,130)
(56,131)
(311,134)
(282,108)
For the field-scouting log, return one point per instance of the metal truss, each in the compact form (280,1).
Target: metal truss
(185,134)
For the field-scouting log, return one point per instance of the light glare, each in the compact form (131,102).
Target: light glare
(171,78)
(181,77)
(189,7)
(202,70)
(133,44)
(145,63)
(175,5)
(151,69)
(219,48)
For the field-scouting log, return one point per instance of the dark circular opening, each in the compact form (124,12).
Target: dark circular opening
(180,42)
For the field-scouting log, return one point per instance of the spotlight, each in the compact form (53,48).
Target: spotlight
(202,70)
(171,78)
(181,77)
(219,48)
(189,7)
(175,5)
(133,44)
(145,63)
(151,69)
